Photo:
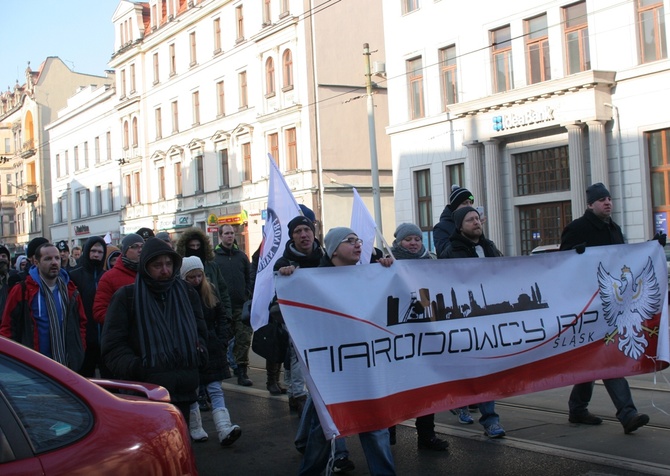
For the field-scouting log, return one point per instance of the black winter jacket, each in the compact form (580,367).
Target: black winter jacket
(592,231)
(443,230)
(461,247)
(235,268)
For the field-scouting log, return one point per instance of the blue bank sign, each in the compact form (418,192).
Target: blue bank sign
(525,118)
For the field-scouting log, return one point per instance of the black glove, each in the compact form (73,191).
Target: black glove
(661,237)
(580,248)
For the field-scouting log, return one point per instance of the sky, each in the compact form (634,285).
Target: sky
(80,32)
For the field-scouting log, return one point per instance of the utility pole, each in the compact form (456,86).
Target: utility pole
(69,216)
(374,165)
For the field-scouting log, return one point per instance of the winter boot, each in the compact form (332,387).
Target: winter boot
(273,371)
(195,425)
(228,432)
(242,378)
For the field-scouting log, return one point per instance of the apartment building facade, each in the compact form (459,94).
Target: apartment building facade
(526,104)
(204,90)
(25,179)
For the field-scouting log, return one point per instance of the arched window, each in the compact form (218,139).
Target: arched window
(125,135)
(287,63)
(134,132)
(269,77)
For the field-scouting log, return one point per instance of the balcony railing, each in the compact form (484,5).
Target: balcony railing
(28,149)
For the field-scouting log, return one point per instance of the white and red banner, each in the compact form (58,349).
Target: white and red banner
(281,209)
(386,344)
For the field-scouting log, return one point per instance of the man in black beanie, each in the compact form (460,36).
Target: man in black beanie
(596,228)
(442,231)
(30,254)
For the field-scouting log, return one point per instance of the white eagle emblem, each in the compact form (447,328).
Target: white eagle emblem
(627,304)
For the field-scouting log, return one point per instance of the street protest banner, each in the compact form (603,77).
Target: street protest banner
(386,344)
(281,208)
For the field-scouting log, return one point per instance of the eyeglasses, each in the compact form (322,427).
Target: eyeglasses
(352,241)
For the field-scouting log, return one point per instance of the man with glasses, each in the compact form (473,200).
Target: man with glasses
(122,274)
(343,248)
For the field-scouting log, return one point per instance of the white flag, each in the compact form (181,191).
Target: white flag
(108,239)
(364,225)
(281,209)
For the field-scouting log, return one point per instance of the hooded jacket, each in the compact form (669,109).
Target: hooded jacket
(122,333)
(86,276)
(24,303)
(206,255)
(111,281)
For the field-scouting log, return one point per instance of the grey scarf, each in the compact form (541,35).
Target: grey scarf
(56,331)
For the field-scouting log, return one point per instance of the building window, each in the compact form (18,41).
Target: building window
(246,159)
(125,135)
(77,165)
(108,136)
(173,60)
(97,150)
(135,132)
(177,178)
(86,155)
(159,123)
(291,149)
(537,50)
(127,189)
(137,187)
(651,24)
(132,79)
(239,23)
(455,176)
(192,49)
(195,99)
(110,196)
(267,13)
(273,146)
(501,51)
(448,76)
(217,35)
(287,66)
(175,116)
(578,57)
(225,171)
(220,100)
(409,6)
(122,82)
(415,86)
(283,7)
(199,174)
(542,224)
(83,203)
(242,80)
(658,149)
(161,183)
(424,200)
(98,199)
(156,70)
(542,171)
(57,172)
(269,78)
(8,145)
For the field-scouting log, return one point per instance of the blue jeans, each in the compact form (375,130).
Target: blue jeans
(216,394)
(489,416)
(376,446)
(231,358)
(619,392)
(302,435)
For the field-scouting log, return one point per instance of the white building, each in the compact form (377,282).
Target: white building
(85,179)
(206,89)
(526,104)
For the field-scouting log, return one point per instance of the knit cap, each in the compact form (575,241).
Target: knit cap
(406,229)
(300,220)
(334,238)
(34,244)
(129,240)
(595,192)
(459,195)
(308,212)
(459,216)
(164,235)
(189,264)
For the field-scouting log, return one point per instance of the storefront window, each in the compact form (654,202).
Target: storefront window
(658,143)
(542,224)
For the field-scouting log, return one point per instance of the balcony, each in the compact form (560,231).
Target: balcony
(29,190)
(28,149)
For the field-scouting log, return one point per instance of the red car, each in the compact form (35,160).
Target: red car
(55,422)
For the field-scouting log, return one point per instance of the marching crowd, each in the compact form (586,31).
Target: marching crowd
(176,314)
